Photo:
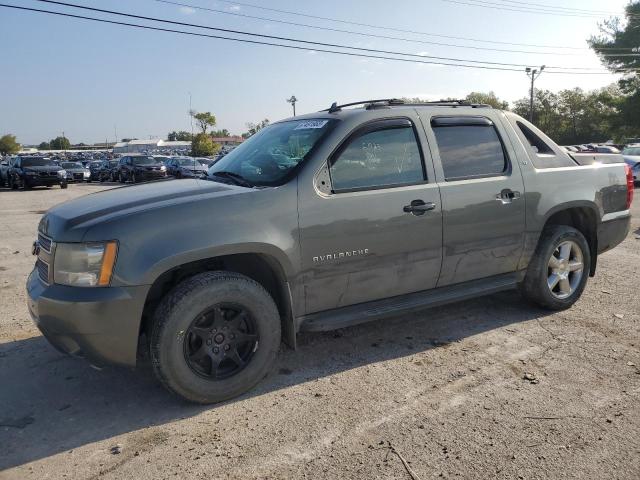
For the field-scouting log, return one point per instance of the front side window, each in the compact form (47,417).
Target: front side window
(268,157)
(468,151)
(384,157)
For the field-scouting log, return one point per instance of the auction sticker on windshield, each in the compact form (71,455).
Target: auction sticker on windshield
(311,124)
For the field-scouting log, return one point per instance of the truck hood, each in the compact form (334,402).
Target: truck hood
(70,220)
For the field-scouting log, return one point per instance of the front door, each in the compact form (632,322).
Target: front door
(376,232)
(482,198)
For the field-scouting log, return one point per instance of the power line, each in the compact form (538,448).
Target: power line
(295,40)
(536,6)
(369,25)
(546,5)
(521,9)
(371,35)
(293,47)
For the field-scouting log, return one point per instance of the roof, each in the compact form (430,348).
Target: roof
(151,141)
(177,143)
(120,145)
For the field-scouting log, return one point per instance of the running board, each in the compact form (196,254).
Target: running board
(369,311)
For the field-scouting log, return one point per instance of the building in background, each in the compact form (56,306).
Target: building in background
(155,145)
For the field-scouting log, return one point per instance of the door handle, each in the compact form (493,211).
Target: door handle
(507,196)
(418,207)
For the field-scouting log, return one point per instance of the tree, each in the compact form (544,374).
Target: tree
(254,128)
(487,99)
(8,145)
(44,146)
(60,143)
(574,116)
(619,37)
(204,146)
(180,136)
(221,133)
(204,120)
(616,40)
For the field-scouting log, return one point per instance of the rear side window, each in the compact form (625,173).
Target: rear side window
(385,155)
(538,145)
(469,149)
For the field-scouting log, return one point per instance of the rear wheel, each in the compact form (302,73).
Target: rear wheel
(214,337)
(558,271)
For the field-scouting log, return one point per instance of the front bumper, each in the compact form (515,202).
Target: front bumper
(101,324)
(150,175)
(37,181)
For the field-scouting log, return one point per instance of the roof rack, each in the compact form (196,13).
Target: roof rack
(396,101)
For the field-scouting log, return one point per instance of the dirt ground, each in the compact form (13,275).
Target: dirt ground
(438,394)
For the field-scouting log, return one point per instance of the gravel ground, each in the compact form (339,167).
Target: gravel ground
(489,388)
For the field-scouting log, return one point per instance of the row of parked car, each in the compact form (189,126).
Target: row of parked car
(31,171)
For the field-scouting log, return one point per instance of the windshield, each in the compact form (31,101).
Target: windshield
(72,165)
(631,151)
(37,162)
(267,157)
(146,161)
(188,162)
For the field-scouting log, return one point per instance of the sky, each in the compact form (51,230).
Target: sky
(95,81)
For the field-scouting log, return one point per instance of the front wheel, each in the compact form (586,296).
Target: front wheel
(215,336)
(558,271)
(63,185)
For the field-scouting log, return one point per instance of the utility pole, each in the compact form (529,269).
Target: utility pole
(533,74)
(293,101)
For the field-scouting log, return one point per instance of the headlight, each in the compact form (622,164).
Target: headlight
(62,173)
(84,264)
(87,174)
(163,168)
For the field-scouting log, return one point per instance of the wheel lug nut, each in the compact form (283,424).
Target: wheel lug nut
(215,350)
(226,347)
(208,341)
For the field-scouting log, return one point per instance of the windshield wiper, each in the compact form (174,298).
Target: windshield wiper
(235,178)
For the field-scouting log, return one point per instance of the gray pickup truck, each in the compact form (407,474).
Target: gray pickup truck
(317,222)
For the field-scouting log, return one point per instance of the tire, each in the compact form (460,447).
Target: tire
(121,178)
(12,184)
(540,274)
(63,185)
(172,340)
(134,178)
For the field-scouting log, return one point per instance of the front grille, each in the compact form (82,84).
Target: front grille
(78,175)
(43,270)
(48,174)
(44,242)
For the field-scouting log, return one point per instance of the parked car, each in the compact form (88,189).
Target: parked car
(319,222)
(631,157)
(27,172)
(76,172)
(5,166)
(139,168)
(606,149)
(185,167)
(109,170)
(94,170)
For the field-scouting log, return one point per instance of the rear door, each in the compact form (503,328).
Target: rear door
(482,196)
(376,230)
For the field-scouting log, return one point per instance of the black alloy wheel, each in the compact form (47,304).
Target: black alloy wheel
(221,342)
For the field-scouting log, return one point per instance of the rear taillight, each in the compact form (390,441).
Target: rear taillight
(629,173)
